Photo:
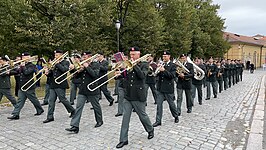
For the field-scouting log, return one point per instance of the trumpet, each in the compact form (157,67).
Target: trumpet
(77,69)
(160,65)
(50,66)
(128,67)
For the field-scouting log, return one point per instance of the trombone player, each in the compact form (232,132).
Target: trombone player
(135,97)
(5,83)
(60,66)
(26,71)
(75,81)
(103,70)
(88,72)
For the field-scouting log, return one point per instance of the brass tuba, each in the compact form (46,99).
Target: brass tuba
(198,72)
(180,68)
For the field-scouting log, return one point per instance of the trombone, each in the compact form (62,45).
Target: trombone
(129,66)
(92,58)
(49,66)
(11,64)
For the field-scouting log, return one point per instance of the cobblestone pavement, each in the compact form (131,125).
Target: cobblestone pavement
(221,123)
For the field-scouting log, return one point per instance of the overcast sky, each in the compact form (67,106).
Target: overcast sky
(244,17)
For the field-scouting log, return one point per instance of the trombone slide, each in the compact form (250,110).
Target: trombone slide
(128,66)
(24,89)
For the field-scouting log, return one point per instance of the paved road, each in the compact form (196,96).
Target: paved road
(221,123)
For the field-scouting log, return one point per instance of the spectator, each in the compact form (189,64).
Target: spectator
(39,67)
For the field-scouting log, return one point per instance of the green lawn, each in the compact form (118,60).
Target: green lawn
(40,91)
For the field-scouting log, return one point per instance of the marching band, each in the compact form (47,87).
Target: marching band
(89,76)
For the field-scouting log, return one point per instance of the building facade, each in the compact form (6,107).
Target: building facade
(247,49)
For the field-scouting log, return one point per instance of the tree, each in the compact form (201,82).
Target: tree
(178,16)
(181,26)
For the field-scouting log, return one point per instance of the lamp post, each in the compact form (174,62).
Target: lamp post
(117,26)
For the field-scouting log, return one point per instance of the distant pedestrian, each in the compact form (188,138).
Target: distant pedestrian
(251,68)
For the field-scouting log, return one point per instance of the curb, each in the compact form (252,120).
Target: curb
(255,138)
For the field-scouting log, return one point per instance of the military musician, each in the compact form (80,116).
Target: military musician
(58,90)
(121,87)
(165,87)
(88,72)
(225,73)
(5,88)
(211,78)
(103,70)
(135,97)
(151,79)
(197,84)
(220,73)
(184,84)
(75,80)
(26,88)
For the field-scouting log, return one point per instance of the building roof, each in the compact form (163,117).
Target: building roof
(236,38)
(258,35)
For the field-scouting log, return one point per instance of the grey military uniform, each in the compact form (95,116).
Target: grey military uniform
(121,91)
(25,74)
(211,79)
(5,88)
(87,76)
(185,84)
(135,98)
(197,85)
(165,88)
(75,83)
(58,90)
(103,71)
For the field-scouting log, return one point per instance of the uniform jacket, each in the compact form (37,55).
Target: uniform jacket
(199,82)
(88,75)
(58,70)
(135,82)
(241,68)
(122,78)
(238,68)
(48,80)
(229,70)
(25,74)
(151,79)
(5,80)
(220,70)
(103,70)
(226,70)
(233,69)
(165,83)
(186,82)
(212,68)
(75,79)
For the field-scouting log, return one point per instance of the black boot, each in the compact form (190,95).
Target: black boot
(151,134)
(121,144)
(14,117)
(73,129)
